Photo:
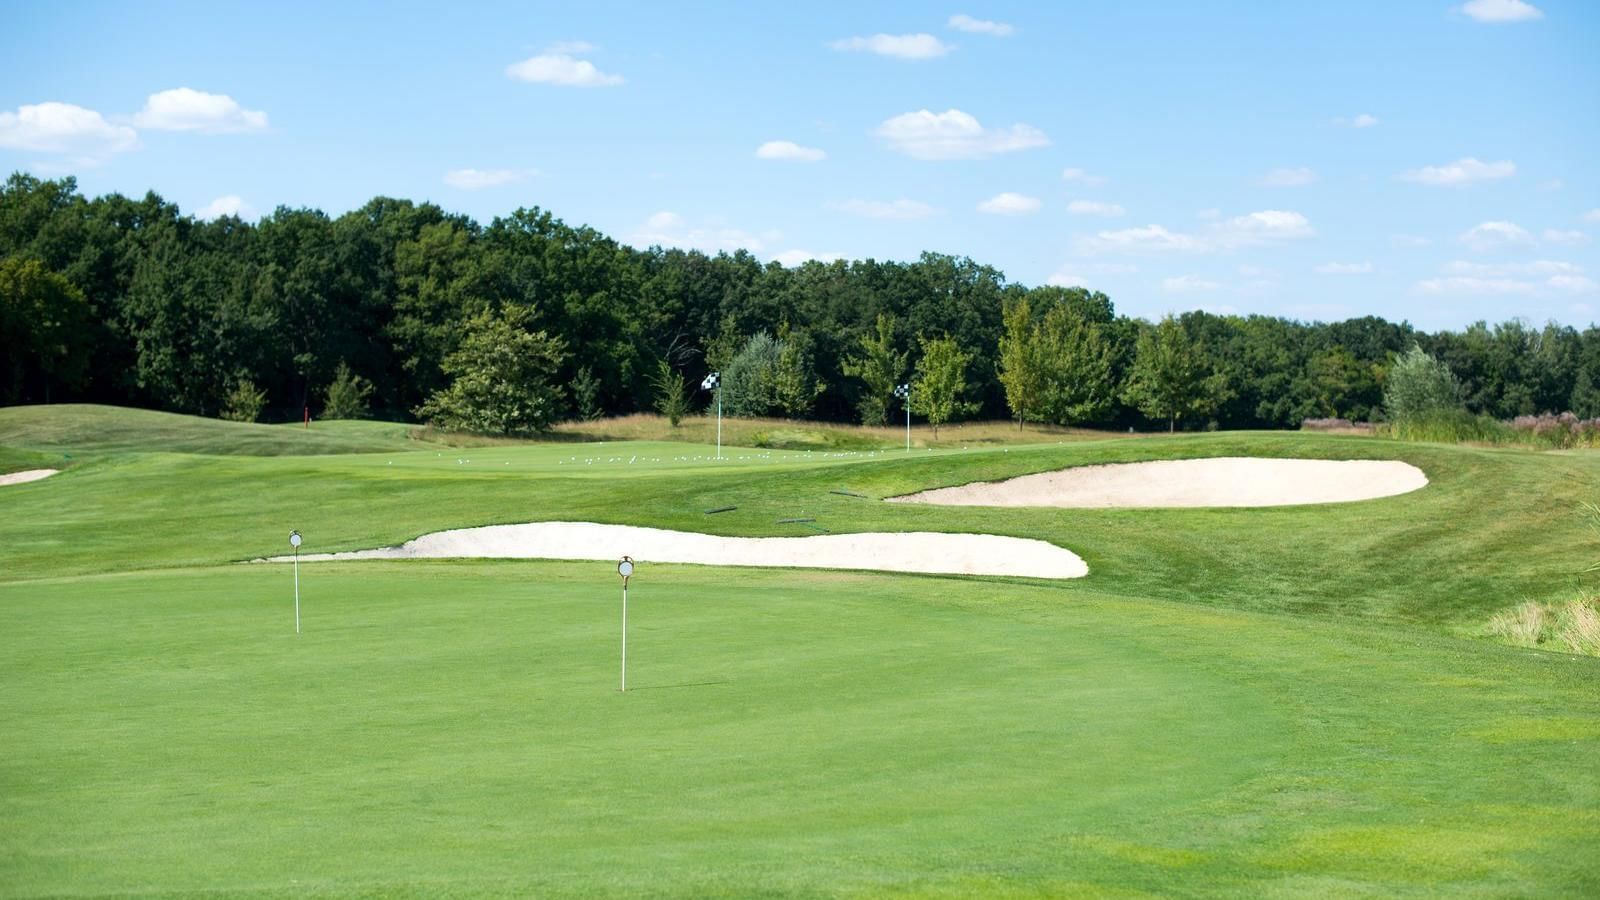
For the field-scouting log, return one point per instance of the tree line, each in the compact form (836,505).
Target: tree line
(402,310)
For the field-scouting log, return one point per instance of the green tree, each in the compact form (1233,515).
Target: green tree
(503,378)
(794,383)
(1172,376)
(244,403)
(1021,368)
(939,393)
(1418,386)
(1075,360)
(879,367)
(347,395)
(586,395)
(44,323)
(672,397)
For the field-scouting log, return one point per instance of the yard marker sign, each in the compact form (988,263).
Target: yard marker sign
(625,569)
(294,541)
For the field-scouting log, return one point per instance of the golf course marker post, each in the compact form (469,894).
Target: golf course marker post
(713,382)
(294,541)
(904,393)
(625,569)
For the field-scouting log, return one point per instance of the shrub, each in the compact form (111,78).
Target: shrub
(1419,387)
(244,403)
(672,398)
(503,378)
(346,397)
(586,395)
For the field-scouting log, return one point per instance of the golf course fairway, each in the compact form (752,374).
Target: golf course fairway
(1281,701)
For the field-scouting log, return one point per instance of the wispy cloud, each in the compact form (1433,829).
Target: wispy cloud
(1010,204)
(901,209)
(1464,171)
(1299,177)
(1497,11)
(669,229)
(1489,236)
(1079,176)
(789,151)
(1095,208)
(478,179)
(559,65)
(954,134)
(1188,284)
(899,46)
(964,22)
(1263,228)
(1364,120)
(791,258)
(1360,268)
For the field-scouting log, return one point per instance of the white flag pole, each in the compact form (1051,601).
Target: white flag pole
(719,420)
(294,541)
(625,569)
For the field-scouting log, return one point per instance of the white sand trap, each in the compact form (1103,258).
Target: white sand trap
(25,477)
(912,551)
(1223,481)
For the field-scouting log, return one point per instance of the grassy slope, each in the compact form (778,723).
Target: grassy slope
(451,727)
(67,429)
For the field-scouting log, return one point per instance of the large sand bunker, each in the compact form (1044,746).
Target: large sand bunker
(913,551)
(25,477)
(1223,481)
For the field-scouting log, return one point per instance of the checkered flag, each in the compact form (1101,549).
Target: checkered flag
(711,382)
(903,391)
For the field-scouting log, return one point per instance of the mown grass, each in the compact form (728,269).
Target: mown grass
(787,434)
(1275,701)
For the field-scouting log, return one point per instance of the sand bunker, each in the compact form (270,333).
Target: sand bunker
(1224,481)
(913,551)
(25,477)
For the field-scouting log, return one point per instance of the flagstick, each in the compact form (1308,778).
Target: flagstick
(624,686)
(297,590)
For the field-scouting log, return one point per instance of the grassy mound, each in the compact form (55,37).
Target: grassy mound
(88,428)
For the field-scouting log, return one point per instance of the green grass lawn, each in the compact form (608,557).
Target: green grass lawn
(1282,701)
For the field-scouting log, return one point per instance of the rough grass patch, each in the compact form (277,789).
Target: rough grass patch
(1570,626)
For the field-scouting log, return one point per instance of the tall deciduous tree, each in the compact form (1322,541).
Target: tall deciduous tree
(502,378)
(1021,368)
(879,367)
(44,323)
(1172,376)
(1076,362)
(941,382)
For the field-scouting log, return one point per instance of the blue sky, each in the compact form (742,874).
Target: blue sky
(1432,160)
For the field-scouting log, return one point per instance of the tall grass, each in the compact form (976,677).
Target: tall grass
(1547,431)
(1570,626)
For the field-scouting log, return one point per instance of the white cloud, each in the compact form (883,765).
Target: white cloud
(954,134)
(1488,236)
(1288,178)
(789,150)
(1009,204)
(1065,278)
(186,109)
(1188,284)
(1363,120)
(1540,268)
(1407,241)
(1463,171)
(668,229)
(1094,208)
(899,46)
(791,258)
(52,127)
(226,205)
(1592,215)
(559,65)
(1252,271)
(478,179)
(1360,268)
(1564,238)
(964,22)
(1079,176)
(1537,277)
(1146,239)
(1500,10)
(1266,227)
(901,209)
